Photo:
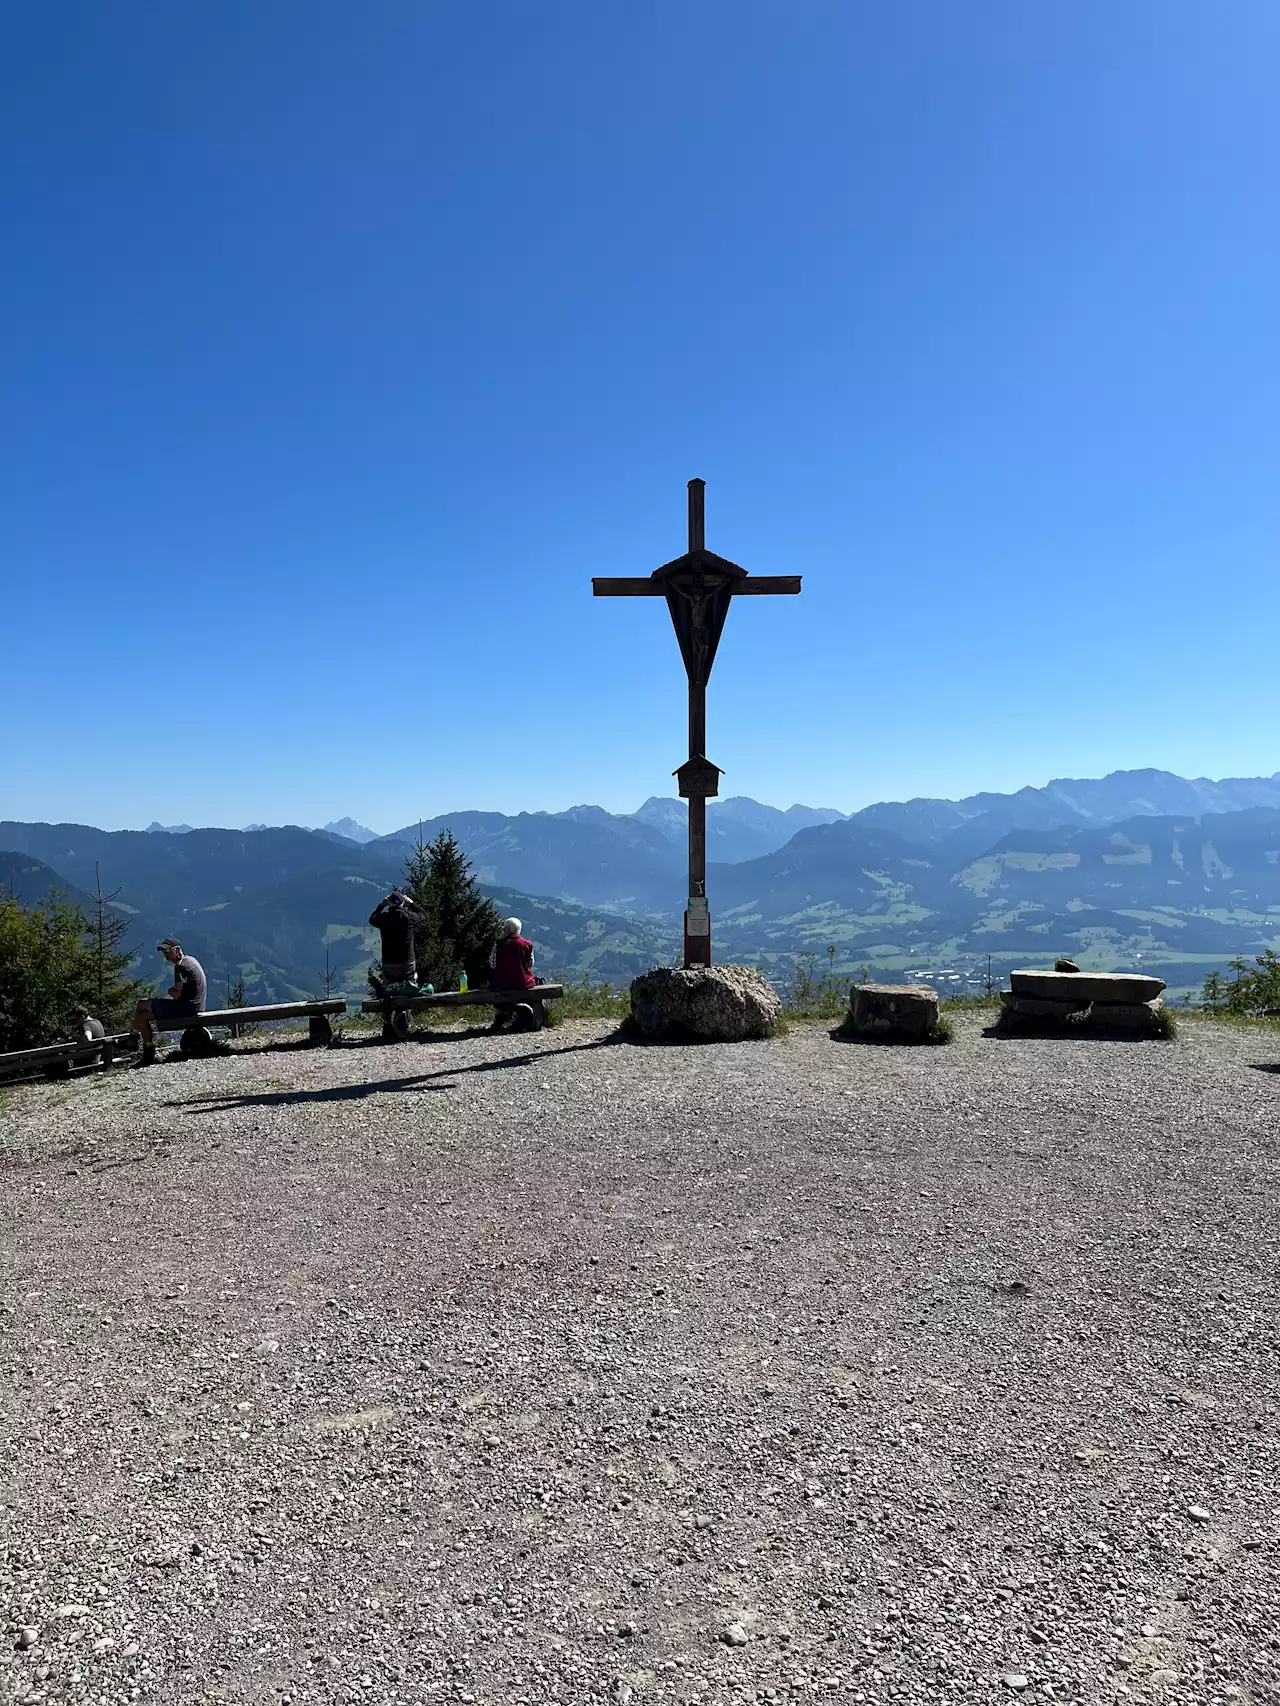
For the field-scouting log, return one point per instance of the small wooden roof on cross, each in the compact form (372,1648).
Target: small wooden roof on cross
(698,778)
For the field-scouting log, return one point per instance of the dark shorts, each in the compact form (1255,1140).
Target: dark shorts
(165,1007)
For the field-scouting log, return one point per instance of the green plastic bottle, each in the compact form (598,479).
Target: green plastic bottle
(462,981)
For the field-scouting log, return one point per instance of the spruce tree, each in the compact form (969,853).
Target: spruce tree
(461,923)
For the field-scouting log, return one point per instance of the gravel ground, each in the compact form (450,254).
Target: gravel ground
(451,1372)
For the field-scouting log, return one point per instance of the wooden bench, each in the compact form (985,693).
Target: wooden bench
(396,1009)
(195,1031)
(57,1059)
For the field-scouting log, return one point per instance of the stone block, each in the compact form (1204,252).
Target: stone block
(907,1011)
(1127,1015)
(1039,1007)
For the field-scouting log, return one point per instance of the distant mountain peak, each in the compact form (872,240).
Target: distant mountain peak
(350,830)
(584,814)
(155,828)
(739,827)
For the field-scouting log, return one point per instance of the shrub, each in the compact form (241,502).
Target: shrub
(1253,994)
(825,996)
(51,959)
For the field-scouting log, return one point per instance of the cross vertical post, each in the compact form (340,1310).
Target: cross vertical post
(697,943)
(698,588)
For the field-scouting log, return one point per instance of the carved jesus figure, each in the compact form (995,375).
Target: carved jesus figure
(701,599)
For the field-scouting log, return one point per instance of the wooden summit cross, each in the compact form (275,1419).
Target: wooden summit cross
(697,588)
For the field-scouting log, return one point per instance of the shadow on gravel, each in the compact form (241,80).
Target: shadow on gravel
(1265,1065)
(216,1102)
(469,1034)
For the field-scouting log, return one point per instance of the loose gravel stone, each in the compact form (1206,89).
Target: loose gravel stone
(517,1371)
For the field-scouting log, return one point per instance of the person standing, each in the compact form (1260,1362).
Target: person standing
(185,1000)
(395,918)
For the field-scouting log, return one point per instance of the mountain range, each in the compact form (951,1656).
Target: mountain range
(737,828)
(1139,867)
(346,827)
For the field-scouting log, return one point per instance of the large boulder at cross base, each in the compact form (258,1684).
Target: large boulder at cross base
(893,1011)
(715,1004)
(1082,987)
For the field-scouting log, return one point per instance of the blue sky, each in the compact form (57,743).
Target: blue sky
(344,344)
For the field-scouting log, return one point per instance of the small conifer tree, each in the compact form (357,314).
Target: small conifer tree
(328,977)
(461,923)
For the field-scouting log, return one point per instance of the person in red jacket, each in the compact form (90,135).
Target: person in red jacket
(511,962)
(510,967)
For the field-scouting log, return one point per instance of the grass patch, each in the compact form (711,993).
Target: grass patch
(585,1000)
(1167,1026)
(1237,1021)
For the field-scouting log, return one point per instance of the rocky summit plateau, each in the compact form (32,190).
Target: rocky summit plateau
(577,1370)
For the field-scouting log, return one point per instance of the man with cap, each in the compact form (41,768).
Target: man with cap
(185,1000)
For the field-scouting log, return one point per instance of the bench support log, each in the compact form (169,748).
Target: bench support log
(197,1042)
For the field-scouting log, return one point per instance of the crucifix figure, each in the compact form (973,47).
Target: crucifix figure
(698,588)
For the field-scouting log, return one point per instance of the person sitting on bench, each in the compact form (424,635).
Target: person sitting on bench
(91,1029)
(394,918)
(510,966)
(511,961)
(185,1000)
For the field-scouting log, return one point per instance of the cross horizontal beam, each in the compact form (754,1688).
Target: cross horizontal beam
(765,583)
(646,587)
(635,586)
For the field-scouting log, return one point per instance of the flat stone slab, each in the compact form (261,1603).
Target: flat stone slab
(893,1009)
(1085,986)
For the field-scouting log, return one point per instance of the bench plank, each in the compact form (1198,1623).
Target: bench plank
(256,1015)
(60,1051)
